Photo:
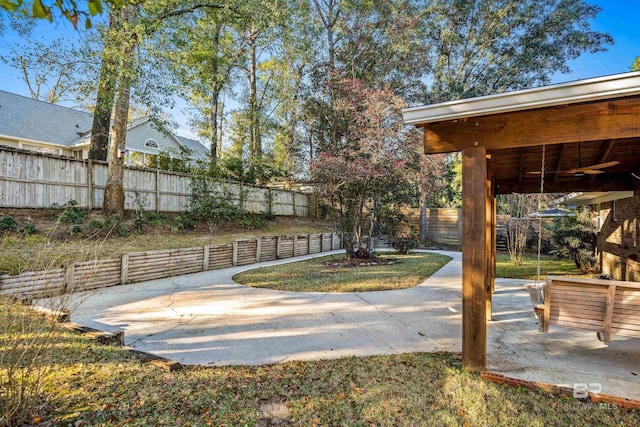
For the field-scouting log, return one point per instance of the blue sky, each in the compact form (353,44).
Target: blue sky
(621,19)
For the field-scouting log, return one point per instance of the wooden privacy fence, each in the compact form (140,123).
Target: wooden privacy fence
(443,225)
(141,266)
(38,180)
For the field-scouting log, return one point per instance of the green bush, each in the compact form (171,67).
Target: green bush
(71,213)
(28,230)
(185,222)
(154,219)
(576,239)
(252,221)
(8,223)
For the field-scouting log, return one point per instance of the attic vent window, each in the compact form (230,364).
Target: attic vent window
(151,143)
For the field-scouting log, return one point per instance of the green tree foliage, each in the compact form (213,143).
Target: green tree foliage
(635,66)
(488,46)
(576,238)
(71,10)
(53,71)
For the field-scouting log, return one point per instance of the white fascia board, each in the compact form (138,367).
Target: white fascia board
(33,141)
(607,87)
(583,199)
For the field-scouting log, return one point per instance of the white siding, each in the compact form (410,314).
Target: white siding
(137,136)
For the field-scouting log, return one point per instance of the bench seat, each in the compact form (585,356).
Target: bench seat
(608,307)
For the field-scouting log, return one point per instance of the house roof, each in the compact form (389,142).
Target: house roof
(591,198)
(613,86)
(197,147)
(30,119)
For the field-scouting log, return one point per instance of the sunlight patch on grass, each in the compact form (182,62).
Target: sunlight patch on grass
(315,276)
(549,265)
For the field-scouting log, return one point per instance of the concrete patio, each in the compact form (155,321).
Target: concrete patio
(206,318)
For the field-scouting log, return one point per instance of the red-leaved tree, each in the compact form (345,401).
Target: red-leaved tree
(372,160)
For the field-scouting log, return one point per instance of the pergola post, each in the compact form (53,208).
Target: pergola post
(475,252)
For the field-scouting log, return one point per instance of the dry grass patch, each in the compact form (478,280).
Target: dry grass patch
(92,385)
(25,253)
(315,276)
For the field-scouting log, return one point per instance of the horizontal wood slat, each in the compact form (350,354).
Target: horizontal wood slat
(150,265)
(605,306)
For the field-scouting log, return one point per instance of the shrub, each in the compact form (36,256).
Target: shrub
(576,239)
(28,230)
(185,222)
(8,223)
(71,213)
(154,219)
(252,221)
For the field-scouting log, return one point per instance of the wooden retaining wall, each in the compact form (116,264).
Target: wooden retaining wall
(38,180)
(142,266)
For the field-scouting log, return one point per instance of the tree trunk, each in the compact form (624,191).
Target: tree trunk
(114,189)
(255,140)
(215,97)
(104,100)
(423,219)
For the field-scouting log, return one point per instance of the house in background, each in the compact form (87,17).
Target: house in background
(617,221)
(36,125)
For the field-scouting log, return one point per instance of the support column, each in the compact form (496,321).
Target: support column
(474,258)
(489,280)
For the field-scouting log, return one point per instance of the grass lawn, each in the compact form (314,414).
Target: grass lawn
(314,276)
(550,265)
(91,385)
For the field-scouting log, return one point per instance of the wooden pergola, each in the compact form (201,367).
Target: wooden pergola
(501,138)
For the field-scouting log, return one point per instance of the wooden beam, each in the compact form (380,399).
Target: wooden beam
(595,121)
(488,240)
(474,258)
(605,182)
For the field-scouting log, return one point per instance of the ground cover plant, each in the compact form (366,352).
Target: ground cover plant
(92,385)
(549,265)
(320,275)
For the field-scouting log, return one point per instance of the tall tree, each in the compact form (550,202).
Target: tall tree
(53,71)
(372,162)
(114,189)
(487,46)
(635,66)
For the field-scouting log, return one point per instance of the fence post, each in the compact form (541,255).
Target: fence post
(270,201)
(294,203)
(205,258)
(157,190)
(90,184)
(278,246)
(235,253)
(309,243)
(258,248)
(124,268)
(68,277)
(295,245)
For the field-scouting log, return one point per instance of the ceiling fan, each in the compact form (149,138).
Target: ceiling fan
(582,170)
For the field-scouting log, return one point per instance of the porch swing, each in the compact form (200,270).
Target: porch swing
(605,306)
